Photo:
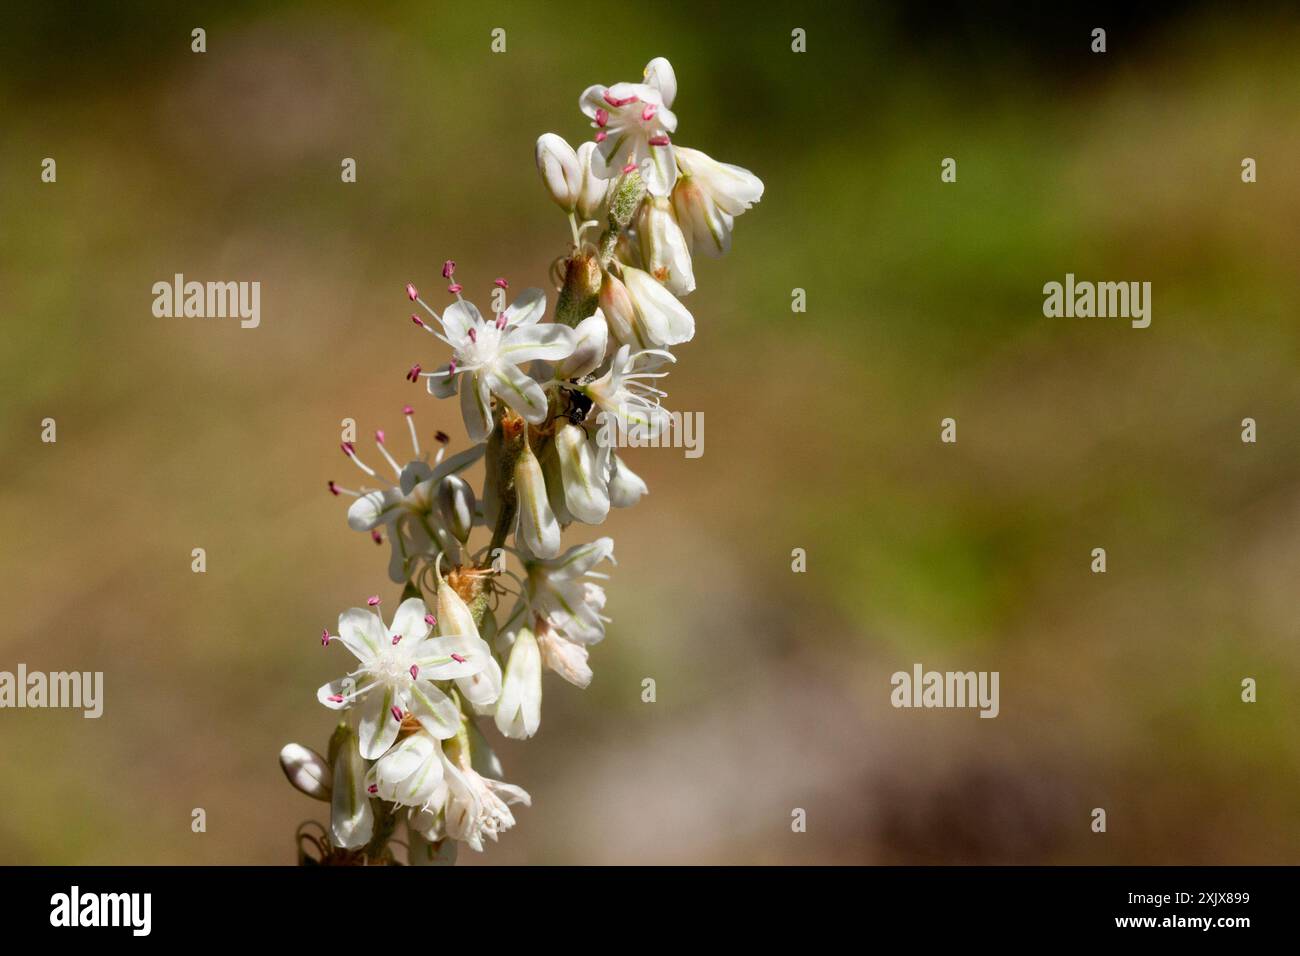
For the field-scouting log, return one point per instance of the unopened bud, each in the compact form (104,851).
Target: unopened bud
(561,174)
(307,771)
(456,502)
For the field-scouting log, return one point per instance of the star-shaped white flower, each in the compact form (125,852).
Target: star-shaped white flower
(564,593)
(633,123)
(418,525)
(399,665)
(487,355)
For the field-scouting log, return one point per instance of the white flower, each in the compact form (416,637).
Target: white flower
(625,402)
(642,312)
(565,657)
(664,251)
(708,197)
(398,667)
(417,526)
(481,687)
(519,711)
(563,593)
(486,356)
(477,806)
(410,773)
(633,122)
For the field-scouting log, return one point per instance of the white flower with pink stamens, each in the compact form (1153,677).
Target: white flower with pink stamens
(633,124)
(413,510)
(399,667)
(487,355)
(563,591)
(625,402)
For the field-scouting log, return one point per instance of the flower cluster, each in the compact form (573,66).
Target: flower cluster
(536,393)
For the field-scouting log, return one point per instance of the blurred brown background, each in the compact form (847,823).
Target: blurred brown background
(924,301)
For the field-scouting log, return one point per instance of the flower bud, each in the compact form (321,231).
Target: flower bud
(663,247)
(660,319)
(592,336)
(351,819)
(561,174)
(456,502)
(617,307)
(708,197)
(537,532)
(519,711)
(591,194)
(625,197)
(307,771)
(455,617)
(625,486)
(585,491)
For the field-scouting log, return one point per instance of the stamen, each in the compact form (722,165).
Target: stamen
(615,101)
(417,320)
(397,713)
(409,412)
(660,140)
(430,620)
(501,321)
(629,168)
(458,659)
(376,537)
(373,600)
(373,788)
(392,462)
(414,374)
(325,638)
(501,283)
(335,698)
(441,437)
(415,672)
(472,333)
(449,268)
(602,116)
(451,367)
(455,288)
(412,292)
(601,136)
(351,452)
(648,113)
(396,639)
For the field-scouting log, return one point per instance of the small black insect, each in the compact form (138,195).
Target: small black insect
(579,406)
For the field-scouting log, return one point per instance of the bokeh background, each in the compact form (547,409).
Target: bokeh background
(822,429)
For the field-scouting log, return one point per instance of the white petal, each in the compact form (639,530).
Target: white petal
(566,658)
(409,620)
(580,559)
(373,509)
(436,712)
(659,73)
(362,632)
(377,728)
(550,342)
(474,407)
(591,339)
(510,384)
(458,318)
(625,486)
(442,386)
(527,309)
(483,688)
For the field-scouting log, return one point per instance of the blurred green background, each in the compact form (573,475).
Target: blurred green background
(924,301)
